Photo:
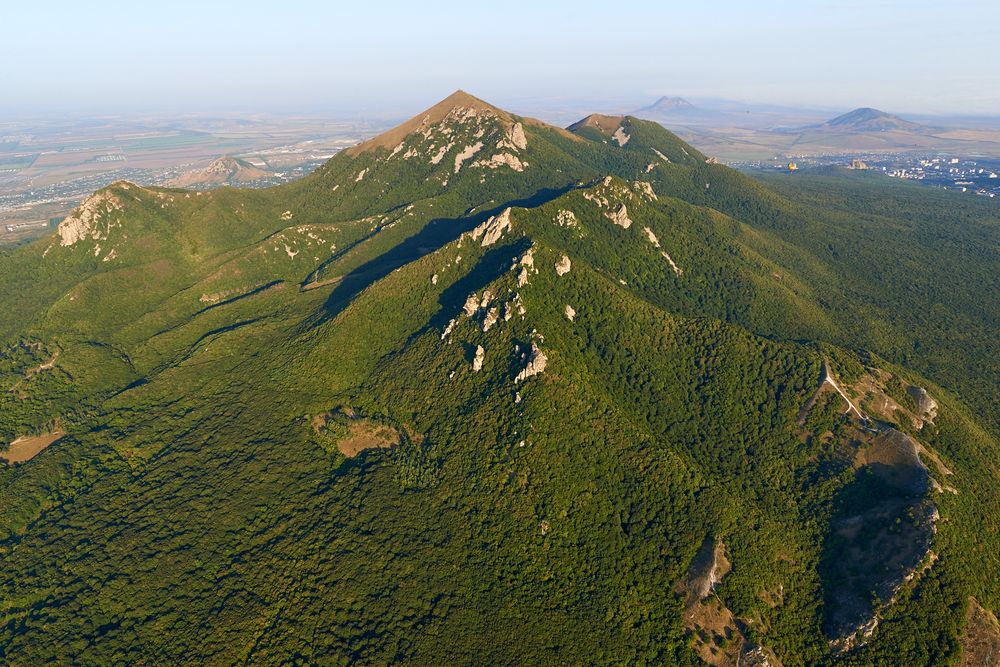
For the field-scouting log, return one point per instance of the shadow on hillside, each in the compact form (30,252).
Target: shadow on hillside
(882,528)
(436,234)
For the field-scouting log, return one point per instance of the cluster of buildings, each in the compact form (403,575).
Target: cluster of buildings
(979,176)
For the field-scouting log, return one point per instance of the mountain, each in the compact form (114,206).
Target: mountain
(870,120)
(484,390)
(678,111)
(670,105)
(222,171)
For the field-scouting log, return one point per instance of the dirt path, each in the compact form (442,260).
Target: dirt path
(827,378)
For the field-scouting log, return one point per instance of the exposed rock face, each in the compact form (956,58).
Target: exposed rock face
(895,457)
(514,139)
(620,217)
(536,364)
(563,266)
(471,305)
(83,222)
(468,152)
(716,634)
(566,218)
(527,263)
(570,313)
(447,329)
(707,569)
(673,265)
(491,318)
(879,544)
(927,407)
(621,136)
(501,160)
(528,258)
(646,188)
(436,159)
(661,156)
(477,361)
(492,230)
(652,237)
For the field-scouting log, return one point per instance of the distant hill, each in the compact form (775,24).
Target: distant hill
(671,105)
(867,119)
(223,171)
(678,110)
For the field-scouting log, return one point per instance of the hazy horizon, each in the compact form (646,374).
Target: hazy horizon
(110,57)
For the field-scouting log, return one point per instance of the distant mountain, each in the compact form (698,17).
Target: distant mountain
(867,119)
(223,171)
(678,110)
(671,105)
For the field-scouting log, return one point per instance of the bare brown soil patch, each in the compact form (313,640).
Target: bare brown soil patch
(715,634)
(364,434)
(980,639)
(600,122)
(27,447)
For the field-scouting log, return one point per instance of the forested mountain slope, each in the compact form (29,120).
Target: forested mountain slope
(483,390)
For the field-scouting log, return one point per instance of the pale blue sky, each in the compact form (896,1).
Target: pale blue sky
(913,56)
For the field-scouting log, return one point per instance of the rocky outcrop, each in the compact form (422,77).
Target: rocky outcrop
(448,329)
(645,188)
(570,313)
(661,156)
(466,153)
(563,266)
(927,407)
(85,221)
(514,138)
(491,318)
(652,237)
(492,230)
(477,360)
(471,305)
(620,216)
(527,263)
(621,136)
(536,364)
(566,218)
(707,569)
(673,265)
(501,160)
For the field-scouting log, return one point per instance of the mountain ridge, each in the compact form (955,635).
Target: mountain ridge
(504,395)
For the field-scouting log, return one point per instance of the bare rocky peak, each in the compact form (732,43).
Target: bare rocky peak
(457,105)
(606,124)
(86,220)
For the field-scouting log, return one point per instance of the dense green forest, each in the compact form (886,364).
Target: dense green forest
(576,356)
